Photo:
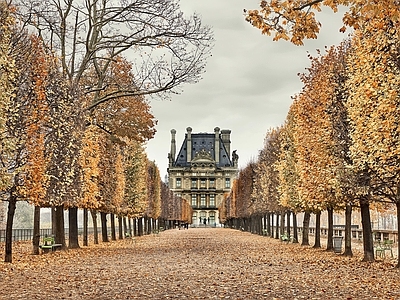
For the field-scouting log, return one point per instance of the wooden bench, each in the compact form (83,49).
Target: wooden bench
(49,244)
(381,248)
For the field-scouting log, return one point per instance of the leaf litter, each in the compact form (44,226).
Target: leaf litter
(202,263)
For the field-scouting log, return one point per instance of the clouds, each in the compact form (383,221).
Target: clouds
(247,86)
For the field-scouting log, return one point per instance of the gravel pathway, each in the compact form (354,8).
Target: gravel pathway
(212,263)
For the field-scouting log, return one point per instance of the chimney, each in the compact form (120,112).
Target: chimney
(189,144)
(226,140)
(173,147)
(216,145)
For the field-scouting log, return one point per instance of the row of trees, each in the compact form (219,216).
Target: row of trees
(339,146)
(73,113)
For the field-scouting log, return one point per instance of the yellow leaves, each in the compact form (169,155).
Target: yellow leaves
(124,116)
(374,100)
(89,159)
(297,21)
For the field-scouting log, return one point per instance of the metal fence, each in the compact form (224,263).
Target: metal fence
(27,234)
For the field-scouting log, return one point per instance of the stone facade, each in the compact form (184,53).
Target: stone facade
(202,171)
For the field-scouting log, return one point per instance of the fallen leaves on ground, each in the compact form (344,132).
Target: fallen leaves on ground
(214,263)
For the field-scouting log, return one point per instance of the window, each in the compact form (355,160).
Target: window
(212,217)
(194,200)
(178,183)
(212,200)
(203,183)
(202,200)
(194,183)
(212,183)
(227,183)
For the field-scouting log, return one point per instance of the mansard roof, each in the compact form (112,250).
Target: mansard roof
(203,145)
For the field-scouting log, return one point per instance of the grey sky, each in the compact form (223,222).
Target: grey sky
(247,86)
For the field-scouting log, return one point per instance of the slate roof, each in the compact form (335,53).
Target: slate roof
(202,141)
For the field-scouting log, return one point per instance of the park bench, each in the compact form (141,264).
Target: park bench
(287,238)
(48,244)
(381,248)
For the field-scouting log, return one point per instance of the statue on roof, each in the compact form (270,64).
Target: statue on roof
(235,157)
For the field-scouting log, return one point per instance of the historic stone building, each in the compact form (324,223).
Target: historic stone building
(202,171)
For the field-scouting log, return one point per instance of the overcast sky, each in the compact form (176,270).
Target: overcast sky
(247,86)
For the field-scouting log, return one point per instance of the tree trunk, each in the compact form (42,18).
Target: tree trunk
(347,236)
(85,227)
(130,227)
(145,226)
(260,224)
(36,231)
(317,243)
(113,233)
(282,223)
(329,242)
(288,213)
(272,225)
(368,241)
(140,227)
(95,231)
(295,235)
(12,205)
(277,226)
(306,229)
(59,226)
(120,232)
(104,233)
(73,242)
(125,227)
(53,220)
(398,230)
(150,225)
(135,227)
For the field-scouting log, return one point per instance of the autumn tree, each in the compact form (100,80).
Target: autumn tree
(63,145)
(230,206)
(266,180)
(373,107)
(297,20)
(167,48)
(244,199)
(173,208)
(89,158)
(11,144)
(154,194)
(7,87)
(135,162)
(125,118)
(288,174)
(35,181)
(24,135)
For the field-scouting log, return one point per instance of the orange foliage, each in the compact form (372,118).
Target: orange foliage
(296,20)
(36,179)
